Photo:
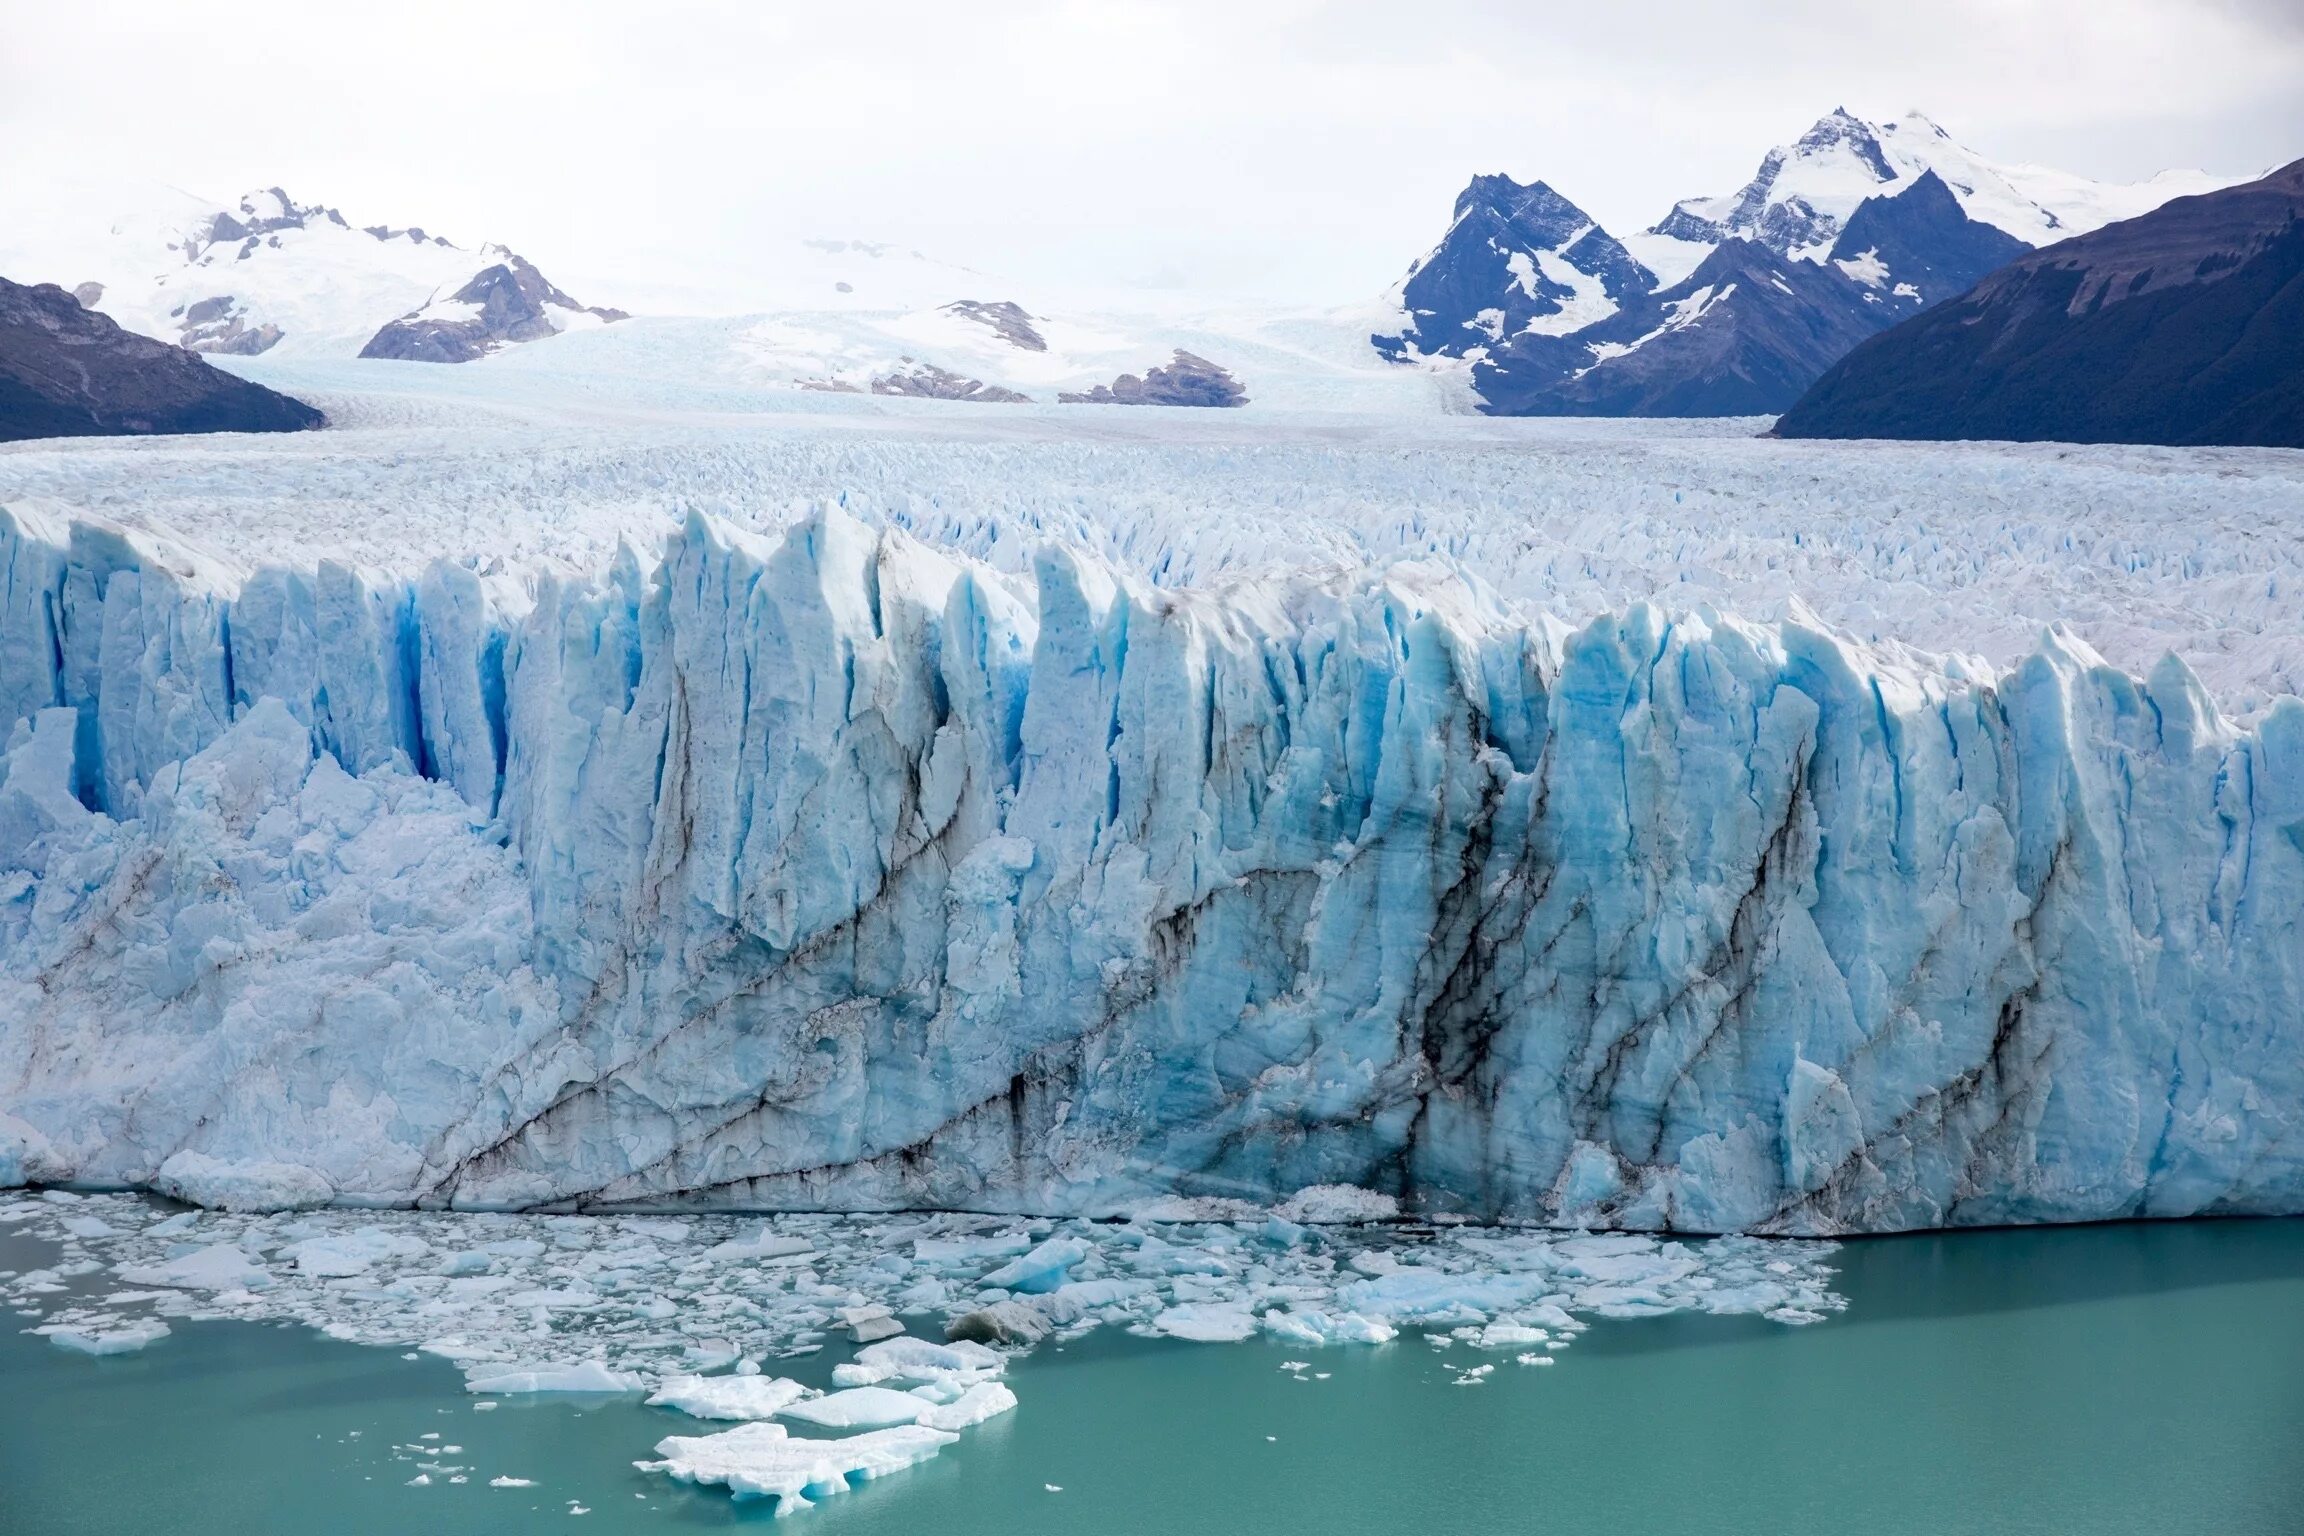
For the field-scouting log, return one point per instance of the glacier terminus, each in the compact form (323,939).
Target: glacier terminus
(827,869)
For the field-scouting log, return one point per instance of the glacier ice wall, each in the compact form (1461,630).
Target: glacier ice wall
(833,872)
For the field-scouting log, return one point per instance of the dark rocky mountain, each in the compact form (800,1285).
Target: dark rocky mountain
(2183,326)
(1876,220)
(1005,318)
(1919,247)
(1741,335)
(1750,328)
(1514,257)
(508,302)
(66,371)
(1189,379)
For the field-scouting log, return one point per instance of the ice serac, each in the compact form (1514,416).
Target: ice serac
(830,871)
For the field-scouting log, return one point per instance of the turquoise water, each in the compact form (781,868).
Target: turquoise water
(2105,1380)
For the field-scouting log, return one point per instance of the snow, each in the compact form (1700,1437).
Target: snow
(985,1400)
(1670,258)
(728,1397)
(1587,304)
(1829,173)
(328,286)
(762,1461)
(1866,268)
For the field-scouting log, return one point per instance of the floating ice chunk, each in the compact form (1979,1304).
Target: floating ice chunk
(587,1376)
(1508,1336)
(1041,1270)
(220,1267)
(985,1400)
(89,1226)
(858,1408)
(950,1369)
(1316,1327)
(1416,1293)
(1209,1322)
(763,1461)
(1533,1359)
(124,1339)
(219,1184)
(1337,1204)
(728,1397)
(511,1482)
(763,1244)
(955,1250)
(352,1253)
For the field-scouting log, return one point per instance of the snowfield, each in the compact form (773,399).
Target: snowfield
(543,791)
(1969,549)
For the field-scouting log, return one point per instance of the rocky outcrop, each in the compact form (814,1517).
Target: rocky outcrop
(1189,379)
(67,371)
(502,304)
(926,381)
(2184,326)
(1007,320)
(218,325)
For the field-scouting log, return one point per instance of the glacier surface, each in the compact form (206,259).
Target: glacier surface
(823,868)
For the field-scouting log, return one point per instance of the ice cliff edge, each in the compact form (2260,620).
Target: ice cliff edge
(832,872)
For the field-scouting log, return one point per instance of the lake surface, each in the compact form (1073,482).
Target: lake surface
(2139,1378)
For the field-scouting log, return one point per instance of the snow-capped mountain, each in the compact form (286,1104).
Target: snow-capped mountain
(1516,259)
(2182,326)
(1699,314)
(1806,190)
(264,274)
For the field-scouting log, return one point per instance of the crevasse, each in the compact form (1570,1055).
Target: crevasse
(830,872)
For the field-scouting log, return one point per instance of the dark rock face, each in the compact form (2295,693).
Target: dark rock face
(1925,241)
(513,301)
(1487,280)
(66,371)
(2182,327)
(1751,328)
(1006,318)
(1187,380)
(216,325)
(1742,335)
(926,381)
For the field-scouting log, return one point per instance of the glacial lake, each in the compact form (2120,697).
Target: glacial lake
(2144,1378)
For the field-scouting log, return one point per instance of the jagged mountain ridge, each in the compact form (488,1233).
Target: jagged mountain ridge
(2184,326)
(1882,220)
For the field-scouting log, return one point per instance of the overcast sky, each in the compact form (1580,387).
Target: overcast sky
(1295,149)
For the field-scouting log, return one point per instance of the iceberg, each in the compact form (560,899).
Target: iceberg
(762,1461)
(834,871)
(728,1397)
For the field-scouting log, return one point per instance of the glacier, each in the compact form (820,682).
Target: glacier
(829,870)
